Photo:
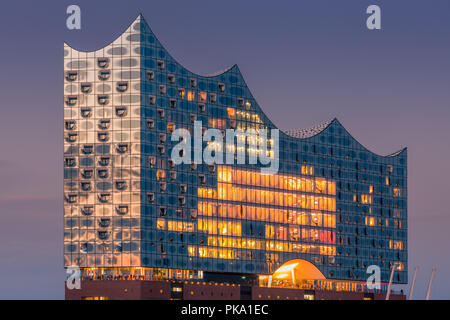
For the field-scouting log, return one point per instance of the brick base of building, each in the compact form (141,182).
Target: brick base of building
(167,290)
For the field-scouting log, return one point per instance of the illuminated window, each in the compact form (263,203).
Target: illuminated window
(192,251)
(231,113)
(202,96)
(180,226)
(370,221)
(396,244)
(217,123)
(247,187)
(160,174)
(207,193)
(94,298)
(308,297)
(400,266)
(190,95)
(307,170)
(161,224)
(366,199)
(270,231)
(170,127)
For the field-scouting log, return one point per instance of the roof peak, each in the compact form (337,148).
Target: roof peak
(304,133)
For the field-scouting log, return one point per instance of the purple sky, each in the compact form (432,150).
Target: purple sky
(305,62)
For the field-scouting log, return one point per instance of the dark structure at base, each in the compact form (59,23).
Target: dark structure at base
(167,290)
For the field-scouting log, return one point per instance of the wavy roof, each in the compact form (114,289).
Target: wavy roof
(304,133)
(308,132)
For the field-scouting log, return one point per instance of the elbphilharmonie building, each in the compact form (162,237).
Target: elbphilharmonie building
(332,209)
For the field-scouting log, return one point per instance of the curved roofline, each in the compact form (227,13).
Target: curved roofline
(110,43)
(319,128)
(140,15)
(291,132)
(212,75)
(226,70)
(396,153)
(219,73)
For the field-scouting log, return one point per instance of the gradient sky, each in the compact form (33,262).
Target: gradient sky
(305,62)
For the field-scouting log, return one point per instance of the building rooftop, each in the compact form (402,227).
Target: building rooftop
(308,132)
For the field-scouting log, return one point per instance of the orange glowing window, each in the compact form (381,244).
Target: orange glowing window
(207,193)
(366,199)
(270,231)
(332,187)
(395,244)
(370,221)
(217,123)
(160,174)
(94,298)
(308,170)
(170,127)
(231,113)
(161,224)
(202,96)
(224,174)
(190,95)
(180,226)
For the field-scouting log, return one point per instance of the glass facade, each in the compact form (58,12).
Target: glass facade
(128,206)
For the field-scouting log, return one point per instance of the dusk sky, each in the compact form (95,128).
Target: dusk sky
(305,62)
